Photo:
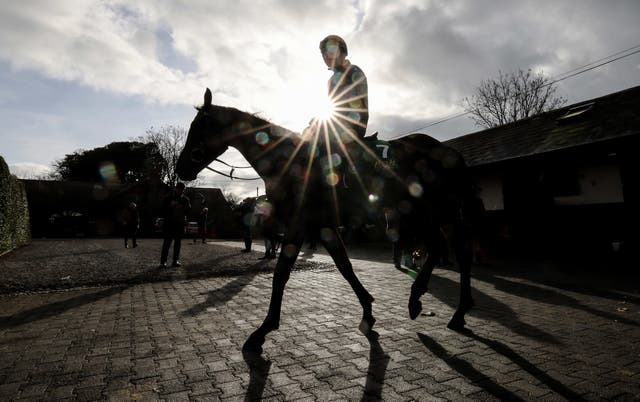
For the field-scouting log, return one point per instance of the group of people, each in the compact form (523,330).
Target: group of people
(175,209)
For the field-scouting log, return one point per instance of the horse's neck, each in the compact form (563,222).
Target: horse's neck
(258,140)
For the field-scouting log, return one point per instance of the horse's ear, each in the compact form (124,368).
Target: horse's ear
(207,98)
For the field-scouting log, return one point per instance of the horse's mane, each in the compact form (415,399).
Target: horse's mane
(275,130)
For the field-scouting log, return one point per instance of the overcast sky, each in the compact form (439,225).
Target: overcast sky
(81,74)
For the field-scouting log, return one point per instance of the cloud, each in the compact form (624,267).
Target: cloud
(29,170)
(421,57)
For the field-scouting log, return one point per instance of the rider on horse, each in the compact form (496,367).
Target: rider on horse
(338,142)
(347,89)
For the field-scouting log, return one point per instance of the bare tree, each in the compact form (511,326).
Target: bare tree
(512,97)
(233,199)
(170,141)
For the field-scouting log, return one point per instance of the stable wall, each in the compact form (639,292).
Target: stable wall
(14,211)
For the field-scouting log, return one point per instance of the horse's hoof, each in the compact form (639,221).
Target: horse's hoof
(415,307)
(251,347)
(253,344)
(456,324)
(366,324)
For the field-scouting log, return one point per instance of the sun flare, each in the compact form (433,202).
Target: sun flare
(325,109)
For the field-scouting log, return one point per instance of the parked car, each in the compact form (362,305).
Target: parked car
(157,226)
(192,228)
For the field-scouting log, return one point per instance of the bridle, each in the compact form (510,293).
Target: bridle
(230,174)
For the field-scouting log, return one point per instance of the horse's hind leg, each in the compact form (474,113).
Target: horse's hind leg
(338,252)
(287,258)
(462,246)
(435,245)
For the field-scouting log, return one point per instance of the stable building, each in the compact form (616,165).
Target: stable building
(562,181)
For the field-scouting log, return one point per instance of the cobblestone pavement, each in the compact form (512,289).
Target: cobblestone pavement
(530,337)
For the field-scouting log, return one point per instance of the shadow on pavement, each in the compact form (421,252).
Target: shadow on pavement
(152,275)
(488,308)
(378,362)
(609,284)
(466,369)
(527,366)
(19,257)
(222,295)
(54,309)
(550,296)
(258,372)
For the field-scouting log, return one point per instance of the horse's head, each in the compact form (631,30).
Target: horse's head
(207,139)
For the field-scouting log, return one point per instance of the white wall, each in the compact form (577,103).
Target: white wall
(491,192)
(598,184)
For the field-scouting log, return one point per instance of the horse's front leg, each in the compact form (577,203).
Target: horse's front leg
(288,255)
(334,245)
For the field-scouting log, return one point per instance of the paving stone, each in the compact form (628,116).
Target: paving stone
(62,392)
(178,337)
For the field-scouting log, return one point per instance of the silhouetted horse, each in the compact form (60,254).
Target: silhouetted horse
(424,185)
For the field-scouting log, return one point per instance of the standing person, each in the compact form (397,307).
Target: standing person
(246,217)
(202,225)
(175,208)
(131,224)
(264,216)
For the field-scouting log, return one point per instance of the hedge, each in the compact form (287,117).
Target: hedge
(14,211)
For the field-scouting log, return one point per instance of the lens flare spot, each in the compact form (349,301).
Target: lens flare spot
(264,208)
(262,138)
(333,179)
(326,234)
(290,250)
(373,198)
(336,159)
(108,172)
(415,189)
(354,116)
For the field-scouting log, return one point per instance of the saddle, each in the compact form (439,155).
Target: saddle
(367,165)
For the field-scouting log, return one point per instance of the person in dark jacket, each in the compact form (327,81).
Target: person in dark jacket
(131,224)
(175,209)
(246,217)
(202,225)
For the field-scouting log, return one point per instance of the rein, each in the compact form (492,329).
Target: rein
(230,174)
(231,166)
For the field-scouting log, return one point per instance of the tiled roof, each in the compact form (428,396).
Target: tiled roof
(612,116)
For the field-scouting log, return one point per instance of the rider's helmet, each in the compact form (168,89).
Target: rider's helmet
(331,42)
